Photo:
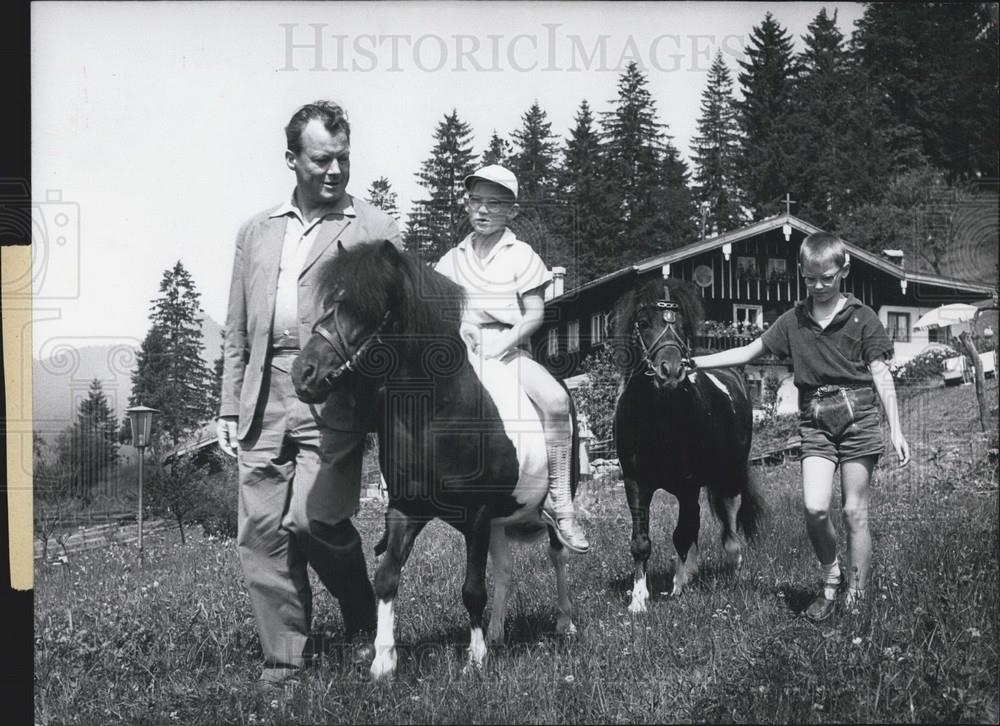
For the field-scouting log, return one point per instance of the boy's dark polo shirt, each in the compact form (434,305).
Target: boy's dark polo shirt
(836,355)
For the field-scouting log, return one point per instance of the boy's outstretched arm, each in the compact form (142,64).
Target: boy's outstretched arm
(732,357)
(882,377)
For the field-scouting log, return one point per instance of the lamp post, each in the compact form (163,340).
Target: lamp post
(141,419)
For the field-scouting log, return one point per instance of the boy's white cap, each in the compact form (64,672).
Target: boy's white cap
(494,173)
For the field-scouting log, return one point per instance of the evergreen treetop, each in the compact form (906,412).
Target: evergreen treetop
(434,224)
(766,82)
(497,151)
(171,374)
(715,152)
(381,195)
(533,160)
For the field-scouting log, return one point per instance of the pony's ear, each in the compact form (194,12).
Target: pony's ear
(340,246)
(389,251)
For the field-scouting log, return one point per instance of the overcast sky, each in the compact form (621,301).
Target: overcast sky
(157,127)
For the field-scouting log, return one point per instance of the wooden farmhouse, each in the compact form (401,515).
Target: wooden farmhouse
(747,278)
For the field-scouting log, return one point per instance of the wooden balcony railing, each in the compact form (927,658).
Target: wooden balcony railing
(716,343)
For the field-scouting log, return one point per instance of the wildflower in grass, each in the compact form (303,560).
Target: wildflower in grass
(856,641)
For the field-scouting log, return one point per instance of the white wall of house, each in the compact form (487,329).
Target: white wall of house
(918,339)
(786,399)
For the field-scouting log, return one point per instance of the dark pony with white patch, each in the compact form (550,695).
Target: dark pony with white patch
(679,430)
(392,322)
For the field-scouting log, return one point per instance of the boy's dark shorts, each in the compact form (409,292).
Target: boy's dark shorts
(841,424)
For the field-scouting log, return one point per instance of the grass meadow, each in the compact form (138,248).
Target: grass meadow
(173,640)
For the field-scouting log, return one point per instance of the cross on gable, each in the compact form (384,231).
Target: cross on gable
(788,202)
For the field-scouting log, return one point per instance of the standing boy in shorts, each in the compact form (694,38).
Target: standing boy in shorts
(839,351)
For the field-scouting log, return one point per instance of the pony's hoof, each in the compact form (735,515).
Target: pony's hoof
(566,629)
(640,596)
(637,606)
(383,666)
(495,637)
(734,554)
(473,666)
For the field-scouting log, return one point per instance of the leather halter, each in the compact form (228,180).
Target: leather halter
(339,345)
(668,337)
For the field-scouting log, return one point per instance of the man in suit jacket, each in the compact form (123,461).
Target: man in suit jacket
(299,464)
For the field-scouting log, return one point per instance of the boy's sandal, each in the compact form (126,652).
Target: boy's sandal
(821,608)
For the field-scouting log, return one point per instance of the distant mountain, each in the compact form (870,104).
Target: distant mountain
(62,380)
(211,333)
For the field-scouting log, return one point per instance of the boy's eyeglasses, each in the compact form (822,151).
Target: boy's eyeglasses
(826,280)
(492,204)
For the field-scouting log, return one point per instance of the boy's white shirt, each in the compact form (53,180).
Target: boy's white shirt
(494,284)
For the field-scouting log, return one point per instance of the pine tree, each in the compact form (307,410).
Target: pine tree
(585,228)
(435,224)
(170,374)
(497,152)
(533,160)
(936,65)
(818,123)
(985,76)
(215,387)
(837,156)
(676,213)
(919,213)
(380,195)
(716,152)
(89,447)
(543,221)
(644,176)
(766,84)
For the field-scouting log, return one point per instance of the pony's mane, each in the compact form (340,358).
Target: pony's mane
(681,292)
(371,279)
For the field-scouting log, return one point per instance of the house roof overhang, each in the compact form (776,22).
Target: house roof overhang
(763,226)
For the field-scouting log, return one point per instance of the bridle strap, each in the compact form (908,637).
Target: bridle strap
(668,337)
(349,362)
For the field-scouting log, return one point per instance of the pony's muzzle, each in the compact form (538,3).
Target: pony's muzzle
(669,369)
(667,377)
(305,379)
